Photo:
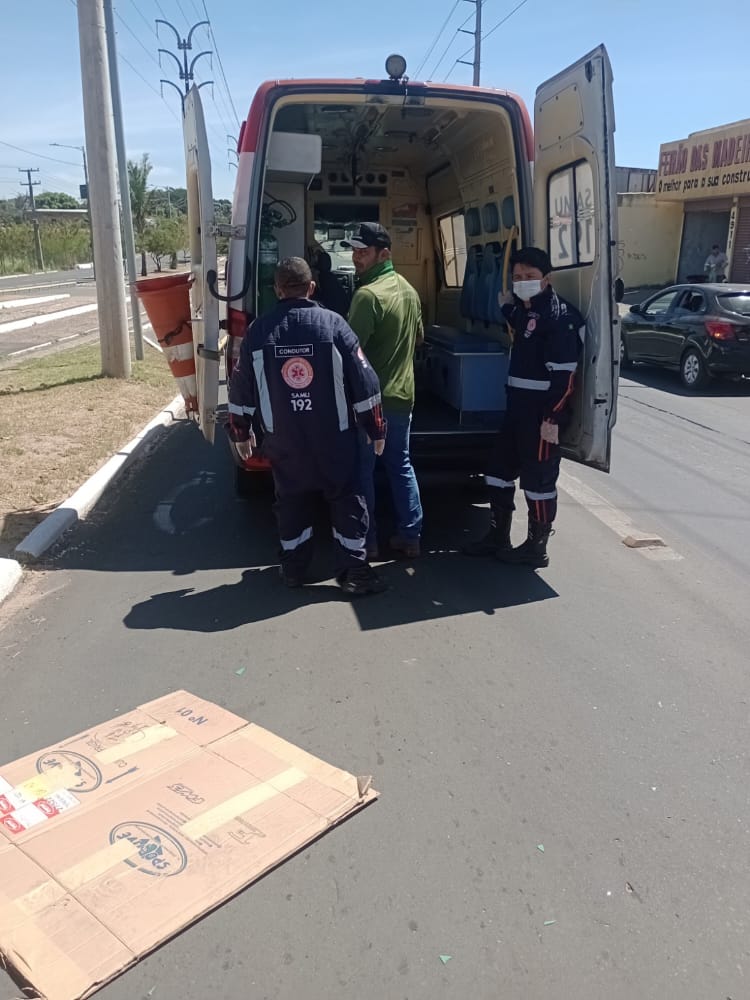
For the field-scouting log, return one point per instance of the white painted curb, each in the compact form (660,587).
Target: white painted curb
(76,507)
(10,575)
(24,324)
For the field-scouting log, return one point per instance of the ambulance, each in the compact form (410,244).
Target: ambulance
(460,178)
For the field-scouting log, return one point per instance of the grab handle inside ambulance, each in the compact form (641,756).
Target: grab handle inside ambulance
(211,282)
(512,236)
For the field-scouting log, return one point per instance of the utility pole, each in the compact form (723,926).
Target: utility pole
(35,222)
(122,172)
(477,33)
(100,144)
(184,68)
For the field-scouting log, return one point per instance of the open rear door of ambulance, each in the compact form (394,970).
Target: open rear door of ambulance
(204,306)
(575,219)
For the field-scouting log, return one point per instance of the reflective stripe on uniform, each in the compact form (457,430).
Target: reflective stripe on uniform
(502,484)
(342,406)
(567,367)
(265,399)
(367,404)
(541,496)
(242,411)
(352,544)
(289,545)
(528,383)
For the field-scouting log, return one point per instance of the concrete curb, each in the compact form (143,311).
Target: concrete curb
(10,576)
(76,507)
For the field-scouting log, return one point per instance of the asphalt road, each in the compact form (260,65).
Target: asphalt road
(598,710)
(58,333)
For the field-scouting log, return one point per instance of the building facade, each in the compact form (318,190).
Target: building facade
(708,174)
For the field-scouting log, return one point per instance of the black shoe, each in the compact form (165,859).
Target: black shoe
(361,580)
(291,579)
(533,552)
(497,538)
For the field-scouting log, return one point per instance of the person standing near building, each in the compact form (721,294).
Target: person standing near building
(386,315)
(716,264)
(541,374)
(302,371)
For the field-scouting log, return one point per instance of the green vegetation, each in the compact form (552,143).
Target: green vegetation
(159,224)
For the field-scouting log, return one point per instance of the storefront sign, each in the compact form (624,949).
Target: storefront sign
(732,232)
(706,164)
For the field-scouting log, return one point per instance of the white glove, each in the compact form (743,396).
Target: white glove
(245,448)
(549,432)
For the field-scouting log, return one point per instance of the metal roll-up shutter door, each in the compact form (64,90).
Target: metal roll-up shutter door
(739,269)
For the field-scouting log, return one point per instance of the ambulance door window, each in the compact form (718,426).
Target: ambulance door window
(453,248)
(572,216)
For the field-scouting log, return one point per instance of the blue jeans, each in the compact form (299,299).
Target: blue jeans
(400,475)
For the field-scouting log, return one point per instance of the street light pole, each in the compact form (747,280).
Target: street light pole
(122,172)
(100,148)
(82,151)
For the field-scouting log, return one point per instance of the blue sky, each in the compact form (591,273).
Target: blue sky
(676,67)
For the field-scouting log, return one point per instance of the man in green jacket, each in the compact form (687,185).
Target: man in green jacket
(386,315)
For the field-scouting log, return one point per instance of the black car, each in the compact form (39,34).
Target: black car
(698,330)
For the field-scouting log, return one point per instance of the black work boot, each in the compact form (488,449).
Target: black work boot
(497,538)
(533,552)
(361,580)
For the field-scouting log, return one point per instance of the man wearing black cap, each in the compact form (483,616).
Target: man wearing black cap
(302,373)
(547,334)
(386,315)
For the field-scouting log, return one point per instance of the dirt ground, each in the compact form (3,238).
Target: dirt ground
(60,420)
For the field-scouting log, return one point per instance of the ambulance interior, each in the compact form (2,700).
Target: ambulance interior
(440,174)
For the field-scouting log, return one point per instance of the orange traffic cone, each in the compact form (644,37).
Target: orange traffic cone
(167,303)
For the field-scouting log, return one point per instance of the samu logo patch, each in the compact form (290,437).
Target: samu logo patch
(157,852)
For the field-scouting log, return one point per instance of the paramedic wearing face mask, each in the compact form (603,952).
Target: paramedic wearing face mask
(302,373)
(386,315)
(541,374)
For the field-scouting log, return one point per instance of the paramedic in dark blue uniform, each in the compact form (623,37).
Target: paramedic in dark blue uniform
(302,373)
(547,333)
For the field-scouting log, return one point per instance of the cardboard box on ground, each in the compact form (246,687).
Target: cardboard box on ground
(116,839)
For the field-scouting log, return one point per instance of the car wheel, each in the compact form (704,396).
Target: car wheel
(625,361)
(693,370)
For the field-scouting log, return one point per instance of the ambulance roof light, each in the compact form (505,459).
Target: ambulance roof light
(395,67)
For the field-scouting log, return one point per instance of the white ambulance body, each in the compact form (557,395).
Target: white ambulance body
(460,179)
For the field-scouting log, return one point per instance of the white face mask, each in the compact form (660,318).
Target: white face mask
(526,290)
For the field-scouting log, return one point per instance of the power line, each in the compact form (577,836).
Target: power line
(221,65)
(150,86)
(487,35)
(148,52)
(457,32)
(437,38)
(145,20)
(184,15)
(41,156)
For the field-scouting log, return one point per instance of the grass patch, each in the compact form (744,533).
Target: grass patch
(60,420)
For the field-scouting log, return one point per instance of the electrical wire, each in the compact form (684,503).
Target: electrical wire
(437,38)
(41,156)
(487,35)
(184,16)
(221,65)
(151,27)
(148,52)
(457,32)
(149,85)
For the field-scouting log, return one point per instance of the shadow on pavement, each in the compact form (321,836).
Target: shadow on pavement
(439,586)
(177,512)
